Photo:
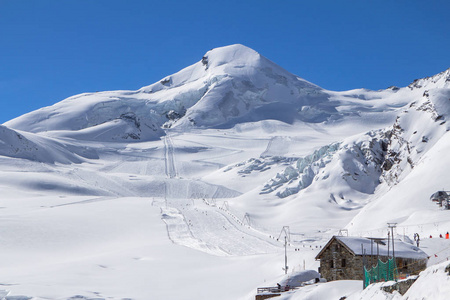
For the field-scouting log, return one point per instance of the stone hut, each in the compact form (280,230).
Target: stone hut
(342,257)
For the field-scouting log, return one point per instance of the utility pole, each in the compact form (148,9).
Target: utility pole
(392,226)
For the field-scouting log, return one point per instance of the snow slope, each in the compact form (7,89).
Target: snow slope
(181,189)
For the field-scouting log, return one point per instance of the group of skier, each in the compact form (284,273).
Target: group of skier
(417,238)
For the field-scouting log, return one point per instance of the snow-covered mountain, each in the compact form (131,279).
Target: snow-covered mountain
(216,158)
(230,85)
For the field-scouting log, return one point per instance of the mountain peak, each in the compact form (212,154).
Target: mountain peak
(441,80)
(237,55)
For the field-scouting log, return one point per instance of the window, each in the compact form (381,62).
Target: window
(343,263)
(331,264)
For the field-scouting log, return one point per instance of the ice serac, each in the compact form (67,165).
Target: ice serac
(229,85)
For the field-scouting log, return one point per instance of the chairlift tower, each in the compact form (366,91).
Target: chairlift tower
(225,206)
(343,232)
(246,219)
(442,198)
(287,233)
(287,237)
(285,256)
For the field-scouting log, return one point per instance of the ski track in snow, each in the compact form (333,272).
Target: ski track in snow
(98,199)
(191,225)
(277,146)
(169,159)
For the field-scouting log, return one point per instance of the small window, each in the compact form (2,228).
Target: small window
(331,264)
(343,263)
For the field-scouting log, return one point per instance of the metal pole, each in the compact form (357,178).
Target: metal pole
(285,255)
(371,252)
(388,262)
(378,263)
(365,263)
(389,239)
(392,226)
(393,250)
(363,270)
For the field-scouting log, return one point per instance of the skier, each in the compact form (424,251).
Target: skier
(418,240)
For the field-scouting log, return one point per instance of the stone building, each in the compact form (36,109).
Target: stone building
(342,257)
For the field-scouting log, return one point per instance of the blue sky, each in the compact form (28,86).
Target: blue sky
(50,50)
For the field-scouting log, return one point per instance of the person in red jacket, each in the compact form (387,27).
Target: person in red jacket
(447,235)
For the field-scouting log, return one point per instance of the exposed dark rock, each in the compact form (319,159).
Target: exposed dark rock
(401,286)
(166,81)
(130,116)
(173,115)
(205,62)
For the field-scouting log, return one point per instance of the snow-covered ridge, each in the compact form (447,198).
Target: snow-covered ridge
(225,86)
(441,80)
(415,131)
(228,86)
(40,149)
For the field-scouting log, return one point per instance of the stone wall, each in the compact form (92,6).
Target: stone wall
(265,296)
(401,286)
(410,266)
(338,263)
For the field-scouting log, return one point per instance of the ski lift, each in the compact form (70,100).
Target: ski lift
(442,198)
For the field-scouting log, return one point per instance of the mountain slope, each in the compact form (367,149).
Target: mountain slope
(230,85)
(40,149)
(221,156)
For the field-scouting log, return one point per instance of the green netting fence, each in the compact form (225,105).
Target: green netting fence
(383,271)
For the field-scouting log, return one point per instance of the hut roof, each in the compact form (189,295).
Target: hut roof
(353,244)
